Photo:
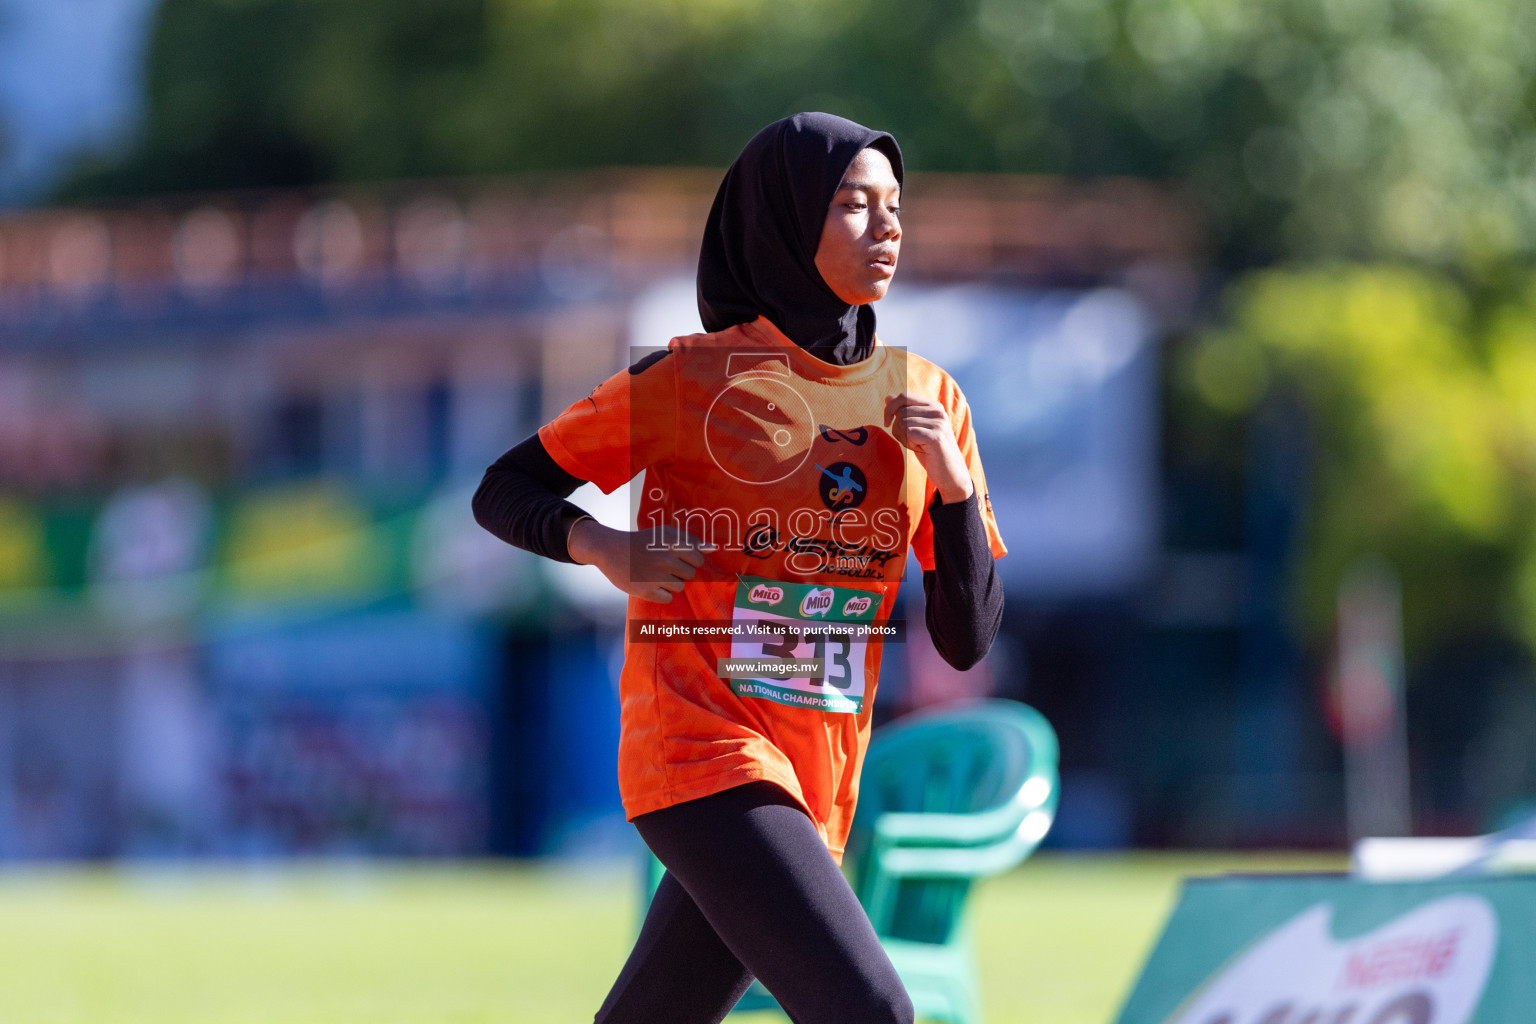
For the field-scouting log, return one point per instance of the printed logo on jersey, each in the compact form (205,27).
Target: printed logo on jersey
(817,601)
(764,594)
(856,606)
(856,436)
(842,485)
(808,554)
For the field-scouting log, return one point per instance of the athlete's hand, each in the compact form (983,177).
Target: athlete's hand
(923,426)
(630,564)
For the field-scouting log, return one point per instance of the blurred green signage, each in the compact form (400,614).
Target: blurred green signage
(1334,950)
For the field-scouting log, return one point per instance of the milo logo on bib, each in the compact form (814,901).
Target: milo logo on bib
(764,594)
(789,646)
(816,602)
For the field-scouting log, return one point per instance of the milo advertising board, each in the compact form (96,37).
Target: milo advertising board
(1335,950)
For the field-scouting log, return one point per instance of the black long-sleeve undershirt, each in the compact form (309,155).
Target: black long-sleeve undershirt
(963,596)
(522,501)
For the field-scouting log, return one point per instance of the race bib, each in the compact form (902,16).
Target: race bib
(800,644)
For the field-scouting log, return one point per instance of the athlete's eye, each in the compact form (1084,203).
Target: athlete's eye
(855,207)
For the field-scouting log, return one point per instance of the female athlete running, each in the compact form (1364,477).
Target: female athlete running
(790,461)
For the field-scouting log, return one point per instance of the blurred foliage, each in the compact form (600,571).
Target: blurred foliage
(1303,127)
(1425,431)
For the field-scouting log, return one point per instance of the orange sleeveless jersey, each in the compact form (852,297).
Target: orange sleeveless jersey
(781,464)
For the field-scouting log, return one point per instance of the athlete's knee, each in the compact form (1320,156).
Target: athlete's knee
(897,1009)
(888,1004)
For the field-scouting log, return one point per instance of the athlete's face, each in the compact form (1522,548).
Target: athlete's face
(862,235)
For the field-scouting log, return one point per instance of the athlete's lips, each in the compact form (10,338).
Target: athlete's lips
(883,260)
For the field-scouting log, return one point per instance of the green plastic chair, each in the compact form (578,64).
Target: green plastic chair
(947,796)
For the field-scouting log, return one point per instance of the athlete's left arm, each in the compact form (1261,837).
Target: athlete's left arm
(954,543)
(963,594)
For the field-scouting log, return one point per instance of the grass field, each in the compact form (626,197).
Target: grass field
(1060,941)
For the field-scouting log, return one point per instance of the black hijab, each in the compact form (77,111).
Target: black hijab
(759,253)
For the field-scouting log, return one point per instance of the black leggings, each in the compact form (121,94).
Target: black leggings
(750,890)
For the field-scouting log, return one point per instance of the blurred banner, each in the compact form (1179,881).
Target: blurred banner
(1331,950)
(361,734)
(1063,390)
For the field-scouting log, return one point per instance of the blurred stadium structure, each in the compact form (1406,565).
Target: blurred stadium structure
(243,607)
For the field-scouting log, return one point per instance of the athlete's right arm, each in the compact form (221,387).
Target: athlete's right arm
(521,499)
(624,426)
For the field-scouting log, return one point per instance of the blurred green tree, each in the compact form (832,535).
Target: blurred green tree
(1424,402)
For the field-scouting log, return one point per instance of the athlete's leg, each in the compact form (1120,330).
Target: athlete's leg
(757,871)
(679,970)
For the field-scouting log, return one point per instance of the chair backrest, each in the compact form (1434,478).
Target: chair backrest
(958,759)
(967,759)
